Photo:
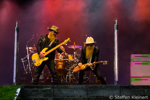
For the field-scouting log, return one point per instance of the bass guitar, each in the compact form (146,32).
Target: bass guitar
(36,58)
(91,65)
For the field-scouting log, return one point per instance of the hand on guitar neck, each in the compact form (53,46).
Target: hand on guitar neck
(64,52)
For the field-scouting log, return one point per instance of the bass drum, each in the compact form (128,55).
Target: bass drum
(60,64)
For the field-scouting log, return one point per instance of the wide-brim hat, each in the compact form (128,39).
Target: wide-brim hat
(53,28)
(89,40)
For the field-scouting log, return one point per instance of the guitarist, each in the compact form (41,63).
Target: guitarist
(90,54)
(49,41)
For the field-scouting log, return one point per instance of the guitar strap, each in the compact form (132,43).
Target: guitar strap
(90,59)
(92,68)
(50,44)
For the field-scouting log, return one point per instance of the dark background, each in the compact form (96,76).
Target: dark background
(76,19)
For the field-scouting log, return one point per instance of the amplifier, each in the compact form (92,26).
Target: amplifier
(140,69)
(140,57)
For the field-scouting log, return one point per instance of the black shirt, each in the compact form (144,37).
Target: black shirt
(44,42)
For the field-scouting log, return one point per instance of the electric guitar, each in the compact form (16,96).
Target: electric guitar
(91,65)
(36,58)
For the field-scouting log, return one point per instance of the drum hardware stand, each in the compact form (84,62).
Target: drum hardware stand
(27,66)
(72,66)
(23,62)
(28,57)
(69,74)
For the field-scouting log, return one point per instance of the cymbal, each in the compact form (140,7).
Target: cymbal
(74,46)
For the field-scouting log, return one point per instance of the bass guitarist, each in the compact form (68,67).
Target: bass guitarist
(90,54)
(48,41)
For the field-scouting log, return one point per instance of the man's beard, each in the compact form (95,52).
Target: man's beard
(89,52)
(51,37)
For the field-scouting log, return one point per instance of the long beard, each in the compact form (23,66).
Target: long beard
(51,37)
(89,52)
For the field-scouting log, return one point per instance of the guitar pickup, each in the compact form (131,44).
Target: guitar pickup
(33,61)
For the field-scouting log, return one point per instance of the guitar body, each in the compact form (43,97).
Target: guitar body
(84,66)
(37,60)
(76,69)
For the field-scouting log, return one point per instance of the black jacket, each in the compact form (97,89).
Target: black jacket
(44,42)
(95,56)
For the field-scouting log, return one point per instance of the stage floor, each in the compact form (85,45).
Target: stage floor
(88,92)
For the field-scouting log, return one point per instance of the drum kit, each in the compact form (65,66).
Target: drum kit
(64,65)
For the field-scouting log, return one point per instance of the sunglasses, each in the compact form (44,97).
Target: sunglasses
(89,44)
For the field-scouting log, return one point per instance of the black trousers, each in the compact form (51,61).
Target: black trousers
(51,66)
(96,71)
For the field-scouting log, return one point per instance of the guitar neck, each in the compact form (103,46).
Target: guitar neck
(95,62)
(46,53)
(98,62)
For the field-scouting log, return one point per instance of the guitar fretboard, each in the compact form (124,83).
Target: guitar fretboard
(46,53)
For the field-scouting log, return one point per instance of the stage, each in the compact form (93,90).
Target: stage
(83,92)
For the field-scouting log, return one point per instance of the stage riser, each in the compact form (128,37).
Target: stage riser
(68,98)
(81,91)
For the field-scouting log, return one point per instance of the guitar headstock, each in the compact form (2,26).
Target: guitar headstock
(66,41)
(105,62)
